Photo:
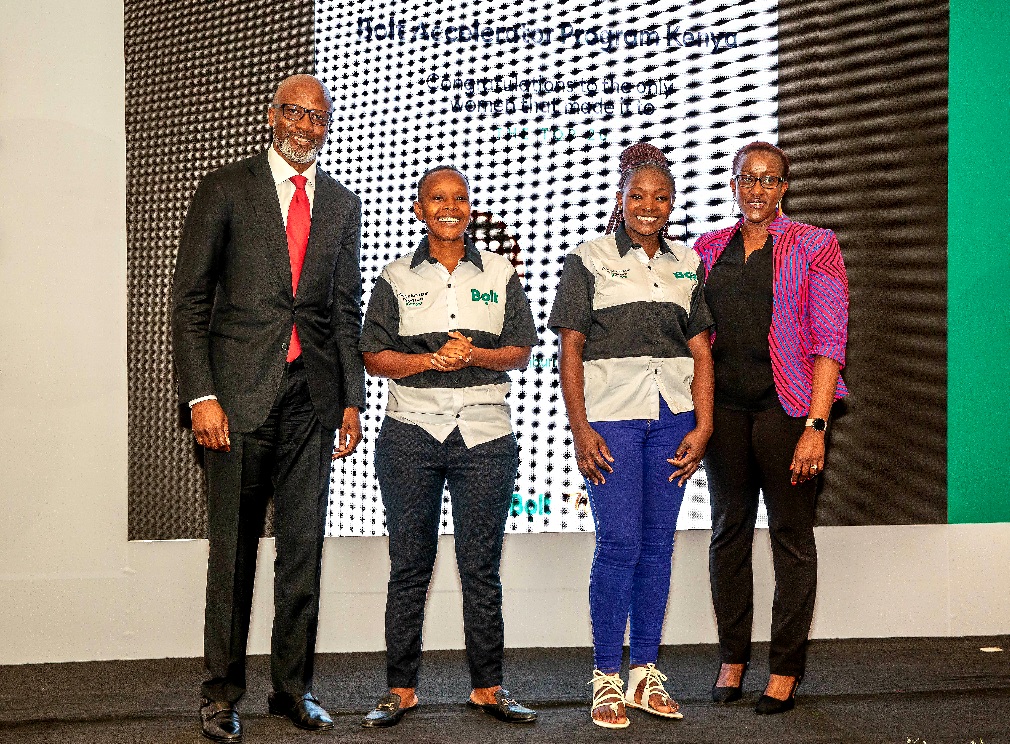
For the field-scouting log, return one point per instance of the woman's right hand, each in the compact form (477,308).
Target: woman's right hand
(592,454)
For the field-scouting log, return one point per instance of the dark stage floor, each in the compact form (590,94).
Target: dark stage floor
(884,691)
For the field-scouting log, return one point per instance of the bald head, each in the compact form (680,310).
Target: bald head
(298,85)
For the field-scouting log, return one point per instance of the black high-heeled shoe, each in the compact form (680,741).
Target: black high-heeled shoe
(725,695)
(769,706)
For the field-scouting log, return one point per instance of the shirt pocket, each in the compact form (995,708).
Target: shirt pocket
(615,286)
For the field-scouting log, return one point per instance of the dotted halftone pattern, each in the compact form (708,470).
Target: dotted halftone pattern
(534,102)
(198,79)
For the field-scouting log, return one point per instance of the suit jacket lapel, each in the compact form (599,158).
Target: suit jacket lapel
(263,195)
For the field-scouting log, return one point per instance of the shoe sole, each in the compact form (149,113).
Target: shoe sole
(676,715)
(230,740)
(493,711)
(324,727)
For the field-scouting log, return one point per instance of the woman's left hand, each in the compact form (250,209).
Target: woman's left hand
(689,454)
(808,458)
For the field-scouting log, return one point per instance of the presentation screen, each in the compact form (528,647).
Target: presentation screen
(534,102)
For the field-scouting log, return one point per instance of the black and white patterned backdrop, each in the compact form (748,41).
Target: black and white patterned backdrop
(535,102)
(855,92)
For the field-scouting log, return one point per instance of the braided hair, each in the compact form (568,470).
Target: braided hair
(634,159)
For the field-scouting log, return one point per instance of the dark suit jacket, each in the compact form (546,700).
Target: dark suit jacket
(232,301)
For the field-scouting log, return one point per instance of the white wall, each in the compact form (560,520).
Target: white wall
(73,588)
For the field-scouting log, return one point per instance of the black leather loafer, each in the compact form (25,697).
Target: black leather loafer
(387,713)
(505,708)
(304,712)
(219,721)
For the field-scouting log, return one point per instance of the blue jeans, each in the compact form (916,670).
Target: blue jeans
(635,513)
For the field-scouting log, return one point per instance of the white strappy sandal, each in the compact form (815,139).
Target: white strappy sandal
(608,691)
(654,680)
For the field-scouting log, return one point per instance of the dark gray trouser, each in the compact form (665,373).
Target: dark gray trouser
(748,452)
(413,468)
(288,458)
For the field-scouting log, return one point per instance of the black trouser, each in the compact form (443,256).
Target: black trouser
(748,452)
(413,468)
(288,457)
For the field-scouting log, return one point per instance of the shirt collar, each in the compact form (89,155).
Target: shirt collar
(282,171)
(470,253)
(624,243)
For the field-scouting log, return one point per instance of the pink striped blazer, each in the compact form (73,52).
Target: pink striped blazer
(810,309)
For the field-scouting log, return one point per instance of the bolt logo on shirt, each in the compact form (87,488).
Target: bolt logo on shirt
(686,275)
(487,297)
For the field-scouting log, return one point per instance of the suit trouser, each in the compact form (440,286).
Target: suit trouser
(413,468)
(748,452)
(288,457)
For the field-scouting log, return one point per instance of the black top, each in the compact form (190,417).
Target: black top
(739,294)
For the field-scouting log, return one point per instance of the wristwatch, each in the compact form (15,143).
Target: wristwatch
(817,424)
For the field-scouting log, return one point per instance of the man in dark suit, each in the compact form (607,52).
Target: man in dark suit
(266,319)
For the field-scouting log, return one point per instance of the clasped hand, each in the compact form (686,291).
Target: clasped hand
(455,354)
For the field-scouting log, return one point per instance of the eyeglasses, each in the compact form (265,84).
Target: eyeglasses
(767,182)
(292,112)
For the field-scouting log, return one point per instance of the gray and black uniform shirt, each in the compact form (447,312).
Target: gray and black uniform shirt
(414,305)
(637,315)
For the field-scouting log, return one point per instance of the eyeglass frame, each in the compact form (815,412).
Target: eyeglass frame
(759,180)
(313,113)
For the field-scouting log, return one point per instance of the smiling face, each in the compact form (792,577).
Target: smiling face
(646,202)
(758,204)
(444,206)
(299,142)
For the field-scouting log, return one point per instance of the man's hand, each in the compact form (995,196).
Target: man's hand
(210,426)
(349,434)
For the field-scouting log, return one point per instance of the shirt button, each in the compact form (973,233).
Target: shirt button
(453,317)
(656,286)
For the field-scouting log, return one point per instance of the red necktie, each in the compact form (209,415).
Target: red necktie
(299,222)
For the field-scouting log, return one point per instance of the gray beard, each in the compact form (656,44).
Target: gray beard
(302,157)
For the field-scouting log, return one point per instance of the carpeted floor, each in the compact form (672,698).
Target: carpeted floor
(879,691)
